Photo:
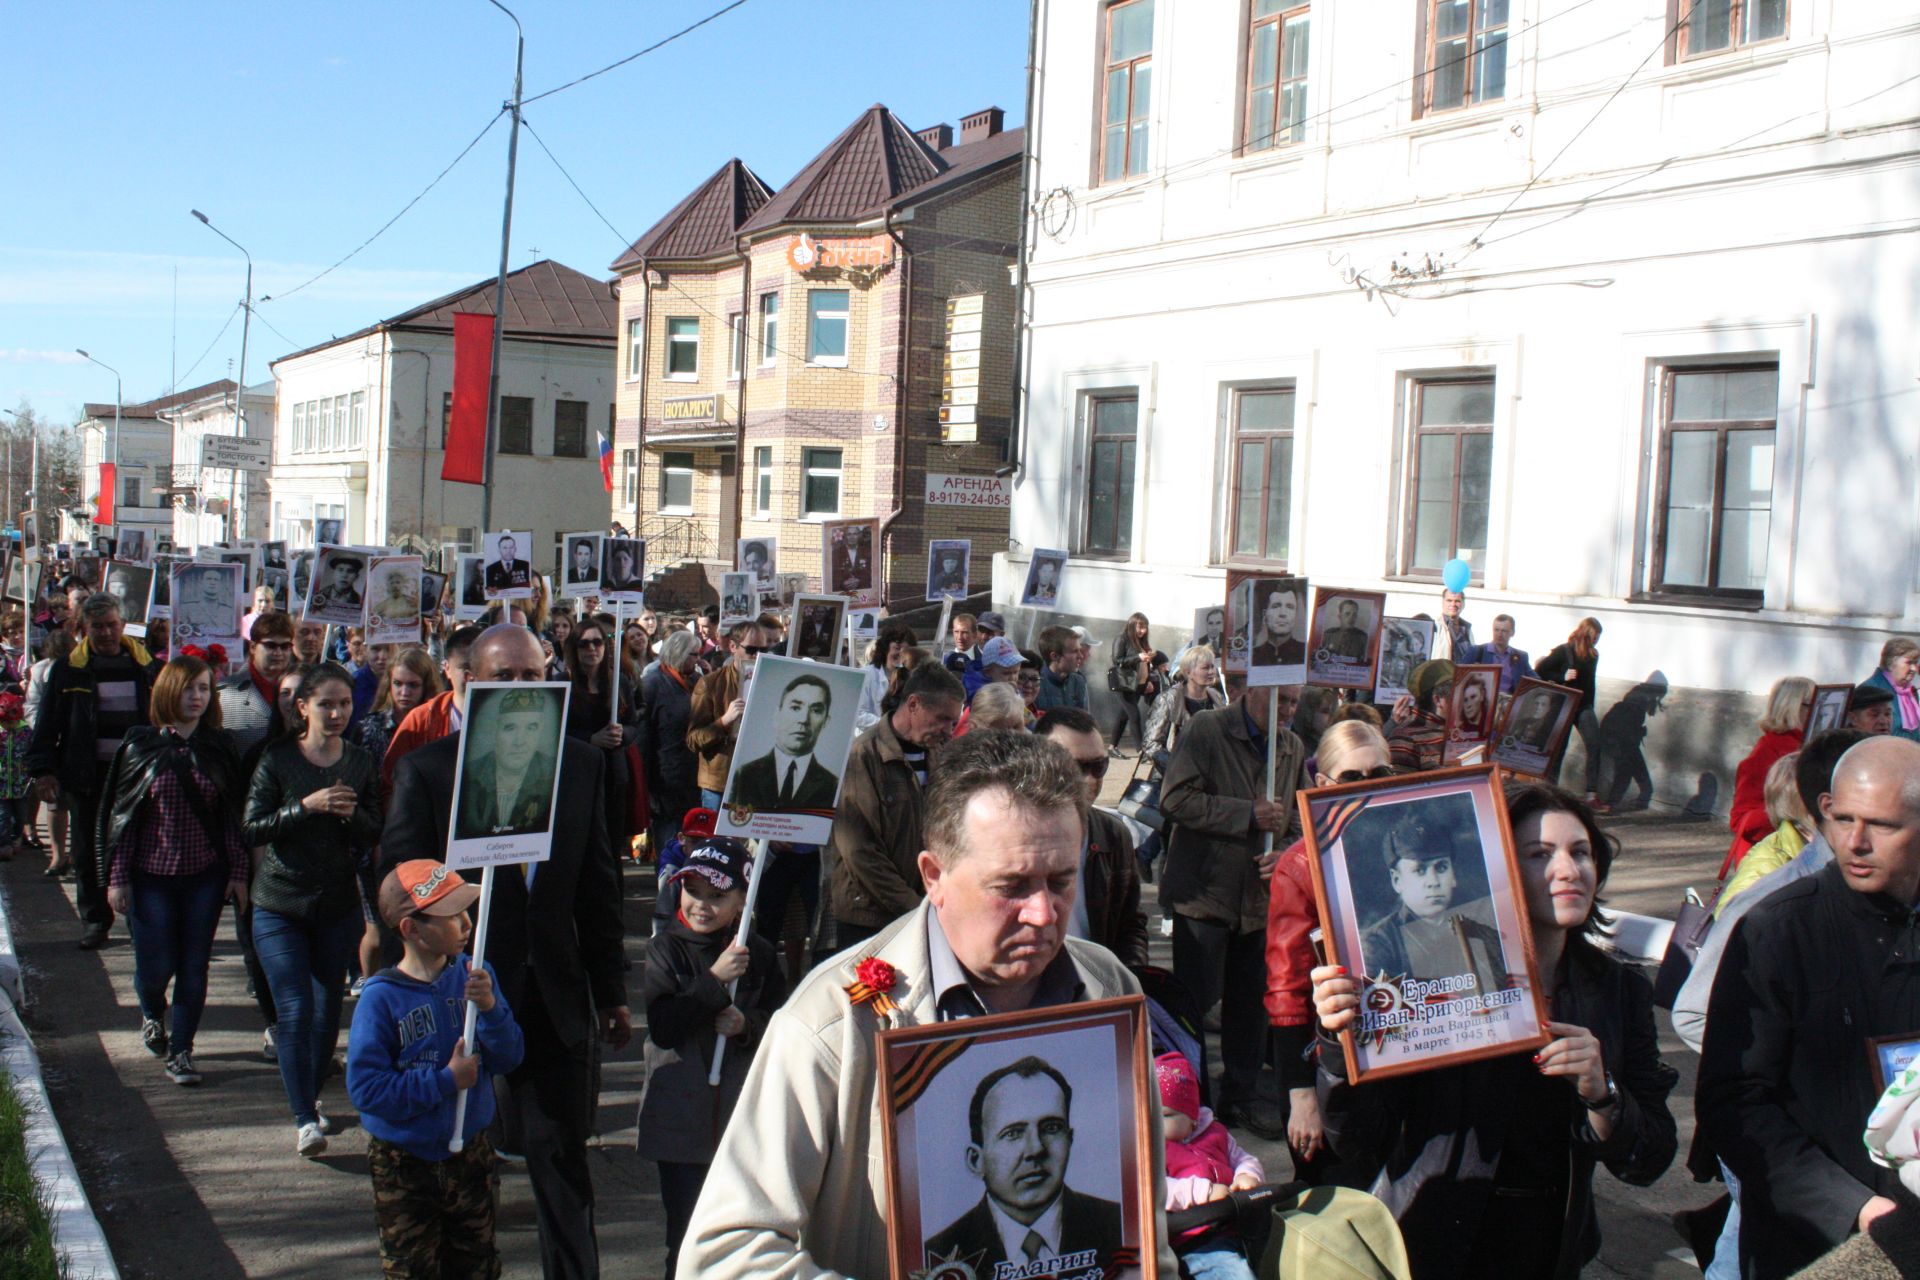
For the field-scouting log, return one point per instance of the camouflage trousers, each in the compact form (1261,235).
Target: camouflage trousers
(435,1216)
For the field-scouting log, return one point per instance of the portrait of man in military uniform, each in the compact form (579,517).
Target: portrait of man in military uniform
(507,778)
(1439,921)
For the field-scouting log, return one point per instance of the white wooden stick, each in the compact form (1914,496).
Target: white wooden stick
(473,1010)
(1273,746)
(762,854)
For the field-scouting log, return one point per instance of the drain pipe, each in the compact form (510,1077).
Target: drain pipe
(902,383)
(1013,459)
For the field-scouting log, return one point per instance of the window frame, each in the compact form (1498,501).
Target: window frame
(1737,38)
(810,459)
(342,436)
(446,416)
(672,340)
(357,409)
(558,452)
(326,423)
(630,479)
(1105,72)
(636,346)
(815,315)
(769,312)
(1410,499)
(500,439)
(763,472)
(298,427)
(1092,444)
(1713,594)
(736,345)
(1424,59)
(1236,476)
(1279,19)
(669,468)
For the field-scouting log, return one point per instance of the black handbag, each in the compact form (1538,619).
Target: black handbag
(1683,948)
(1141,800)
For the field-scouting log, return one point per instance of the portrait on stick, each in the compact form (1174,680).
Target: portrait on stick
(1471,710)
(1277,631)
(1343,644)
(1404,645)
(1536,724)
(785,777)
(850,554)
(507,775)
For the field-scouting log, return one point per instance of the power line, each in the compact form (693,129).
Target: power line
(209,351)
(287,293)
(728,8)
(528,126)
(276,333)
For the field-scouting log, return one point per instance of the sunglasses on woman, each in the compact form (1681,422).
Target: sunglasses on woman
(1370,775)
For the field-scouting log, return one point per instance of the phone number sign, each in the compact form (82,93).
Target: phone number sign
(967,491)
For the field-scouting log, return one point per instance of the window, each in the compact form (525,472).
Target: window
(763,480)
(358,411)
(827,326)
(683,347)
(446,416)
(1276,75)
(1466,53)
(1115,430)
(130,487)
(629,477)
(459,536)
(1716,482)
(1451,476)
(676,483)
(1262,474)
(326,423)
(299,436)
(636,336)
(516,424)
(769,327)
(1715,26)
(736,344)
(569,428)
(1127,89)
(820,482)
(340,423)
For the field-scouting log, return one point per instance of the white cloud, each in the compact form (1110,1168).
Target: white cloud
(26,355)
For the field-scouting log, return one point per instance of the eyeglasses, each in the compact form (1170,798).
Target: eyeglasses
(596,642)
(274,644)
(1093,768)
(757,649)
(1370,775)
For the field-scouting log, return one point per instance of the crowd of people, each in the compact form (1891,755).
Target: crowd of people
(308,782)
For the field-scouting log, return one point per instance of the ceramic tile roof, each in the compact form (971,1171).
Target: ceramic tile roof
(703,224)
(873,162)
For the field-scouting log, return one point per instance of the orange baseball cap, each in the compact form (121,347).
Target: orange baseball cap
(424,887)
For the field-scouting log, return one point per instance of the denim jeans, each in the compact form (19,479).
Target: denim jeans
(1216,1264)
(1726,1253)
(306,964)
(709,799)
(173,920)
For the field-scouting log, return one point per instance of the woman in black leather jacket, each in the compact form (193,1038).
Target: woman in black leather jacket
(170,831)
(1488,1166)
(314,804)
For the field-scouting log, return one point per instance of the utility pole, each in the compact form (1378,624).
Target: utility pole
(500,284)
(240,391)
(117,485)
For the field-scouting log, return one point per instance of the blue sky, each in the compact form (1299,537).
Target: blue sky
(299,128)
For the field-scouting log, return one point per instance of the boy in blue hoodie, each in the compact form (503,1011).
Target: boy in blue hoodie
(407,1062)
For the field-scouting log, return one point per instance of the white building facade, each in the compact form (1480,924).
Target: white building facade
(216,504)
(361,422)
(1615,304)
(141,460)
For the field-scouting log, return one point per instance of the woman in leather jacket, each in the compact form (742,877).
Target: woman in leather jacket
(1488,1166)
(169,827)
(314,804)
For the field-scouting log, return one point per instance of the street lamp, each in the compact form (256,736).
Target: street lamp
(116,433)
(239,393)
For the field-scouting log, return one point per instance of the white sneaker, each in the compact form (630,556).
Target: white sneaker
(269,1045)
(311,1142)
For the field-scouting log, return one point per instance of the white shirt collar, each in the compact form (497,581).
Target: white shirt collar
(1012,1233)
(780,762)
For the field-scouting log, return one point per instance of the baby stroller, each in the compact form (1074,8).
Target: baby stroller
(1173,1020)
(696,826)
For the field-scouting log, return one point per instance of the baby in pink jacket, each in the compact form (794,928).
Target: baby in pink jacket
(1203,1163)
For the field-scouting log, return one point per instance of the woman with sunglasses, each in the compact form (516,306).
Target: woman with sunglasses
(1350,751)
(603,712)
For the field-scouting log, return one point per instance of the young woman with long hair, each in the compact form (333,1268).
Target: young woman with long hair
(602,713)
(1574,664)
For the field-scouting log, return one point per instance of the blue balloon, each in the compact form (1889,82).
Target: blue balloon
(1456,575)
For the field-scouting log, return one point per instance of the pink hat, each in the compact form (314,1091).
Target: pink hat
(1179,1086)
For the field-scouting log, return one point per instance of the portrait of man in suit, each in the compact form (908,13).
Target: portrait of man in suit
(789,777)
(506,571)
(506,787)
(473,587)
(582,564)
(339,587)
(1020,1131)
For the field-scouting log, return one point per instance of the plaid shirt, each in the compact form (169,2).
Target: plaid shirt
(168,839)
(15,781)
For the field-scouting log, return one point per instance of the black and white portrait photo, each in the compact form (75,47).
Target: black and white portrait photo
(1210,628)
(1829,708)
(739,601)
(507,774)
(785,777)
(848,552)
(433,586)
(1343,642)
(132,547)
(275,580)
(472,601)
(337,594)
(273,554)
(509,574)
(132,586)
(580,565)
(755,556)
(819,624)
(23,580)
(949,562)
(1536,723)
(206,603)
(1277,631)
(162,600)
(302,571)
(1471,710)
(787,587)
(1043,579)
(328,531)
(1404,645)
(623,569)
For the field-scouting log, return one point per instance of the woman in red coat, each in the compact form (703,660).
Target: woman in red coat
(1782,729)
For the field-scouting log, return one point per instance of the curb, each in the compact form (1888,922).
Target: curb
(76,1231)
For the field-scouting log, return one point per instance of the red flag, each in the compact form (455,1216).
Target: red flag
(103,509)
(466,459)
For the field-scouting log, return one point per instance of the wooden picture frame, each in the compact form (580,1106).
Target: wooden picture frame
(1889,1056)
(1470,726)
(1405,643)
(1332,660)
(1829,710)
(1413,1016)
(855,571)
(1236,603)
(938,1176)
(818,628)
(1534,727)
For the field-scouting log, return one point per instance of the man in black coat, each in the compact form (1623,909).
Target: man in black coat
(555,940)
(1809,975)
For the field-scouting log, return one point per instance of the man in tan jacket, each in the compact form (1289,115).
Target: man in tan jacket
(798,1186)
(713,713)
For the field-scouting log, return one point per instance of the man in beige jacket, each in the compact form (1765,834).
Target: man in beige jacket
(798,1187)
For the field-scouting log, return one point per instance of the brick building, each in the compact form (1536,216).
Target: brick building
(787,358)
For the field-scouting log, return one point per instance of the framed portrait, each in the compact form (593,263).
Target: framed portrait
(470,597)
(393,600)
(949,568)
(1405,643)
(273,554)
(103,545)
(1036,1119)
(275,580)
(1276,631)
(133,547)
(337,593)
(86,567)
(818,626)
(866,625)
(132,586)
(623,569)
(1420,898)
(506,777)
(23,580)
(160,604)
(1537,722)
(739,600)
(850,558)
(1888,1056)
(249,560)
(756,556)
(433,590)
(205,604)
(300,571)
(1471,710)
(580,565)
(785,777)
(508,574)
(329,529)
(787,587)
(1829,708)
(1042,589)
(1343,642)
(1210,629)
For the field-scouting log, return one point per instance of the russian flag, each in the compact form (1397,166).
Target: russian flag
(606,461)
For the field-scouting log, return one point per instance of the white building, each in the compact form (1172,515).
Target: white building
(139,460)
(362,420)
(1620,308)
(216,504)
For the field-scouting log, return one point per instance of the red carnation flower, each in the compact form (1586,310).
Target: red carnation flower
(877,974)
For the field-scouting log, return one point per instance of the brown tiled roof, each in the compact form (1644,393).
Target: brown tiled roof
(703,224)
(968,162)
(876,160)
(149,408)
